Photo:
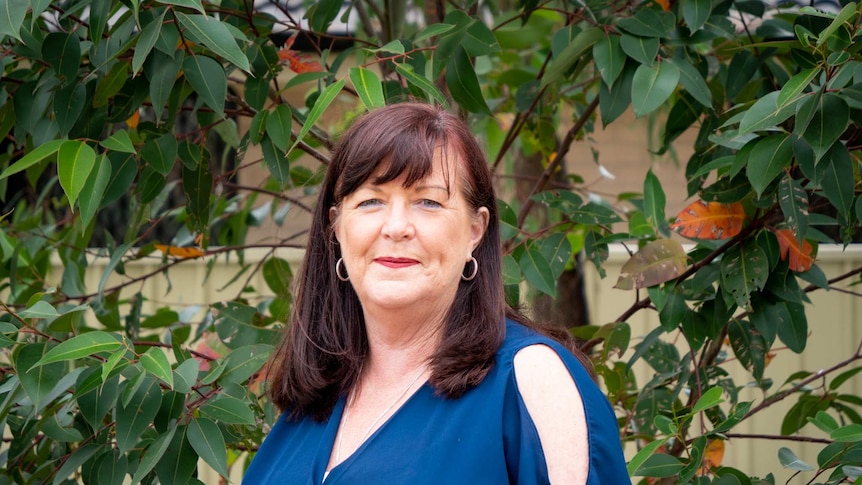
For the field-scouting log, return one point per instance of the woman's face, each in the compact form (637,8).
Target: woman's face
(406,247)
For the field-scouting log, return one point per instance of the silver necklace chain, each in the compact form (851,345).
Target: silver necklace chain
(373,423)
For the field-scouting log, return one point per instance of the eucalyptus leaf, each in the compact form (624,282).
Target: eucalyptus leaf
(652,86)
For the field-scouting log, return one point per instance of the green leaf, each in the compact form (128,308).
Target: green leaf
(146,41)
(788,459)
(214,35)
(323,13)
(278,125)
(696,13)
(33,157)
(276,161)
(538,272)
(119,141)
(62,52)
(112,362)
(765,113)
(156,363)
(838,179)
(615,100)
(796,85)
(195,4)
(197,187)
(69,103)
(748,345)
(432,30)
(153,454)
(708,399)
(179,461)
(824,421)
(478,40)
(768,159)
(39,309)
(207,440)
(422,83)
(75,161)
(828,123)
(133,418)
(162,76)
(78,457)
(793,200)
(186,375)
(659,466)
(368,86)
(744,269)
(648,22)
(561,64)
(652,86)
(94,189)
(792,325)
(12,13)
(654,202)
(82,346)
(243,362)
(161,153)
(557,252)
(277,274)
(208,79)
(323,101)
(463,84)
(693,82)
(37,381)
(594,214)
(609,58)
(645,453)
(642,49)
(845,15)
(850,433)
(228,410)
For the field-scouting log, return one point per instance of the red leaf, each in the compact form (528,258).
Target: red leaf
(800,258)
(710,220)
(299,62)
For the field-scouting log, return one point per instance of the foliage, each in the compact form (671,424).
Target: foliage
(134,109)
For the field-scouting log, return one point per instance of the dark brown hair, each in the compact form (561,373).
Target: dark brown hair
(325,344)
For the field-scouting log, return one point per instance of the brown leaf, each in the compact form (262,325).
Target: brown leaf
(710,220)
(801,259)
(659,261)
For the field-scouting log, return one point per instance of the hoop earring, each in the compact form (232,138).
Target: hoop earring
(473,273)
(338,266)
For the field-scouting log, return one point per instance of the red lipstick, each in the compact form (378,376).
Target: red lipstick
(390,262)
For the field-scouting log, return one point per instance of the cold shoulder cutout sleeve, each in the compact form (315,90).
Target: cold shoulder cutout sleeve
(485,437)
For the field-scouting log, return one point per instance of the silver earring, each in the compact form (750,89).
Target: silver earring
(338,267)
(473,273)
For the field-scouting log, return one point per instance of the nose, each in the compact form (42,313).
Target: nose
(398,224)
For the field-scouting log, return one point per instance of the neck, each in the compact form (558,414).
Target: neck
(400,345)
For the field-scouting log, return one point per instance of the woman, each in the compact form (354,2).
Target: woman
(400,366)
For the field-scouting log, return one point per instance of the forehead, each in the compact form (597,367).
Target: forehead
(445,168)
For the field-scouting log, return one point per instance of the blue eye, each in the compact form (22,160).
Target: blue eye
(368,203)
(431,203)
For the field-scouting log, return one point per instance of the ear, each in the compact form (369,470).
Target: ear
(333,222)
(478,226)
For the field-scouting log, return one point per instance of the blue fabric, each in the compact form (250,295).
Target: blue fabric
(484,437)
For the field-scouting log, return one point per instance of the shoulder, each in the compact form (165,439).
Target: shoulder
(556,407)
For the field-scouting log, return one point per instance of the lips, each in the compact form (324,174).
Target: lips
(390,262)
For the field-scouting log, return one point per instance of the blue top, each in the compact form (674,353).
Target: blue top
(484,437)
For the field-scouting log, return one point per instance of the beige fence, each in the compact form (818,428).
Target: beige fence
(833,319)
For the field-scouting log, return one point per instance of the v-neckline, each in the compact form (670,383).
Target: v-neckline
(325,452)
